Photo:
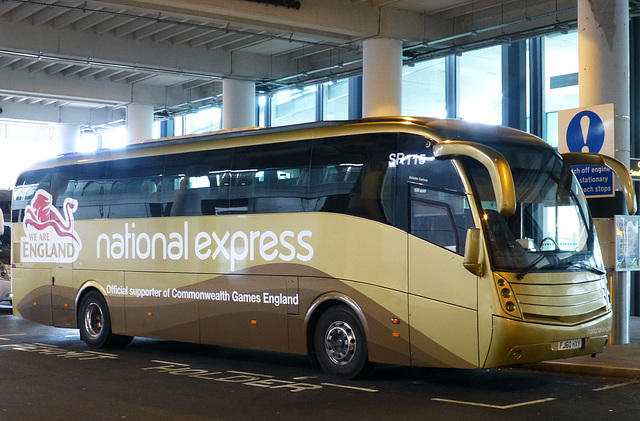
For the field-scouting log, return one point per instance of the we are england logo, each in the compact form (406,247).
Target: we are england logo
(50,236)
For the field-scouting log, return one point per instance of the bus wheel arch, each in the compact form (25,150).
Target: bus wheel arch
(94,321)
(337,336)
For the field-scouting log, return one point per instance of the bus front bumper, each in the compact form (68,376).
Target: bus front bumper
(518,342)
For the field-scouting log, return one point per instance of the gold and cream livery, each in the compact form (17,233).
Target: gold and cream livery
(406,241)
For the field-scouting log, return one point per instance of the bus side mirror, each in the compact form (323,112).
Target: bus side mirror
(1,222)
(472,246)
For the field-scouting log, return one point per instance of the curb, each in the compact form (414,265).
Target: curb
(586,369)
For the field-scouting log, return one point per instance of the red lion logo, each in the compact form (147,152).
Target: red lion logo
(41,214)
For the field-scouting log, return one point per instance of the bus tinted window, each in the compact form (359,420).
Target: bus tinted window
(25,189)
(89,190)
(59,183)
(133,188)
(197,183)
(415,164)
(271,178)
(63,182)
(351,175)
(440,217)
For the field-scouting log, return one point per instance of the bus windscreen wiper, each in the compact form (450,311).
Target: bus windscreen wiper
(563,264)
(576,265)
(531,266)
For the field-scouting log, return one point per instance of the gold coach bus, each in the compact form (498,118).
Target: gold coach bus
(406,241)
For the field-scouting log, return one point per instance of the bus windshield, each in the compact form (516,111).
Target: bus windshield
(551,229)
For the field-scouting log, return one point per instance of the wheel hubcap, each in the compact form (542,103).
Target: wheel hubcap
(93,319)
(340,343)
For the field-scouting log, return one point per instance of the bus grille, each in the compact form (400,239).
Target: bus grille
(562,304)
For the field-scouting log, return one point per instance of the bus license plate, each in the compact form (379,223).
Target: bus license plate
(572,344)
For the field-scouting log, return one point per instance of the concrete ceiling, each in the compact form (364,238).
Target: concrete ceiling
(82,62)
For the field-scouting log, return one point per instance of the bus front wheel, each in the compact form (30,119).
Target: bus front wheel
(94,322)
(340,343)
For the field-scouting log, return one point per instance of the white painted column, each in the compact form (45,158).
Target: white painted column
(382,77)
(68,136)
(238,103)
(139,123)
(603,51)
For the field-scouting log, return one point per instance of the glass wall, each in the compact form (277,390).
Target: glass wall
(178,126)
(293,106)
(113,138)
(262,115)
(560,79)
(480,94)
(206,120)
(423,89)
(335,100)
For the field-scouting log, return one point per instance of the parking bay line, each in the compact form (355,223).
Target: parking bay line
(613,386)
(485,405)
(362,389)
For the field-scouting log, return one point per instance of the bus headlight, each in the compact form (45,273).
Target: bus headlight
(507,297)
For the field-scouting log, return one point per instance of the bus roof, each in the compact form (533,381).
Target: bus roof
(435,129)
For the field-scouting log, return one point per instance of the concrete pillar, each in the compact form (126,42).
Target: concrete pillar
(238,104)
(382,77)
(68,136)
(603,51)
(139,123)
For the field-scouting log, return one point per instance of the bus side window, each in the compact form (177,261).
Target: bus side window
(90,190)
(132,187)
(62,185)
(440,217)
(197,183)
(271,179)
(26,187)
(432,222)
(415,165)
(189,197)
(351,175)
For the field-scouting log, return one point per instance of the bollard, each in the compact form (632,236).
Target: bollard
(619,287)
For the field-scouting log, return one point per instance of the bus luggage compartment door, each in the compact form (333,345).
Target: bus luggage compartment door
(32,294)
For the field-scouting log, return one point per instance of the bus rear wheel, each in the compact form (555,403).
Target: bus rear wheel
(94,322)
(340,343)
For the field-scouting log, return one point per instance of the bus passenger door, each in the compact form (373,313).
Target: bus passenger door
(65,245)
(62,295)
(31,273)
(442,293)
(42,252)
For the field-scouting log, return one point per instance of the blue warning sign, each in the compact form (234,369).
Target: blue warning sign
(589,130)
(595,180)
(589,140)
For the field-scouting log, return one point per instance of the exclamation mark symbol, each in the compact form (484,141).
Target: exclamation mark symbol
(584,125)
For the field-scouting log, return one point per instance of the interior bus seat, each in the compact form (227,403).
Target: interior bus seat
(133,199)
(187,201)
(90,196)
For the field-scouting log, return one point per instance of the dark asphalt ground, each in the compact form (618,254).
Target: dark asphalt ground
(48,373)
